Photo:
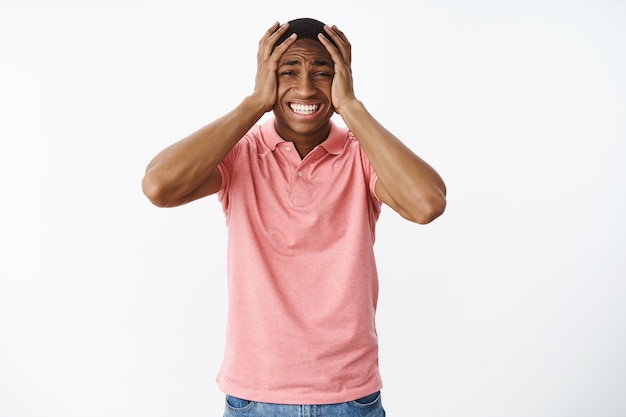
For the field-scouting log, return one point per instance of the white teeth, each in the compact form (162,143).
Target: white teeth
(304,108)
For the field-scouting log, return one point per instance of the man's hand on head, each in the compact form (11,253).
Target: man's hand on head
(269,54)
(342,88)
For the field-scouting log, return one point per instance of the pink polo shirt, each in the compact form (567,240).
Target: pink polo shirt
(302,281)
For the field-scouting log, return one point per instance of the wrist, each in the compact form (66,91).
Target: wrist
(257,104)
(349,107)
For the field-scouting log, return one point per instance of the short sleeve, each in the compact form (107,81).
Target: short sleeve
(368,170)
(225,168)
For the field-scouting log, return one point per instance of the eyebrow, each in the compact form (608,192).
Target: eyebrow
(316,63)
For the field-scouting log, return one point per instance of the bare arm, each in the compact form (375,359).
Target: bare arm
(406,183)
(187,170)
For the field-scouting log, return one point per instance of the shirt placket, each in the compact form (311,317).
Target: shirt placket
(300,187)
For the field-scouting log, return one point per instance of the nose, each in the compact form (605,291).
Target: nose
(304,86)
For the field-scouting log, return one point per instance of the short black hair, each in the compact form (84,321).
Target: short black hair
(305,28)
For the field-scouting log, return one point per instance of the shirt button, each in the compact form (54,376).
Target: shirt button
(299,173)
(288,148)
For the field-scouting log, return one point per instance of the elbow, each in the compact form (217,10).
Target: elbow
(153,190)
(433,210)
(427,211)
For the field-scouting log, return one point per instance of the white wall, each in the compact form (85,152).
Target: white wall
(510,304)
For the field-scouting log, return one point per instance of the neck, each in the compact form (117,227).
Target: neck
(303,142)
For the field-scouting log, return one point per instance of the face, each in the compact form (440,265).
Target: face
(303,107)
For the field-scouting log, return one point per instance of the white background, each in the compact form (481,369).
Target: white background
(513,303)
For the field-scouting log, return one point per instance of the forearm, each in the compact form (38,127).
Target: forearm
(182,167)
(407,183)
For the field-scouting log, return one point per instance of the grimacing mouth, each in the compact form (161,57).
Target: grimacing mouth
(304,109)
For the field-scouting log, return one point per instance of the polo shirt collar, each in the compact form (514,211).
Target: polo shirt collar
(336,139)
(333,144)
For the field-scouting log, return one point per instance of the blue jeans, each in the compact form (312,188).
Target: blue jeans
(368,406)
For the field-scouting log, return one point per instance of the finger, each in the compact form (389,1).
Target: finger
(272,29)
(335,54)
(342,35)
(268,41)
(269,33)
(345,40)
(340,39)
(279,50)
(264,39)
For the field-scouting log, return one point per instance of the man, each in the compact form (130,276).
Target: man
(301,198)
